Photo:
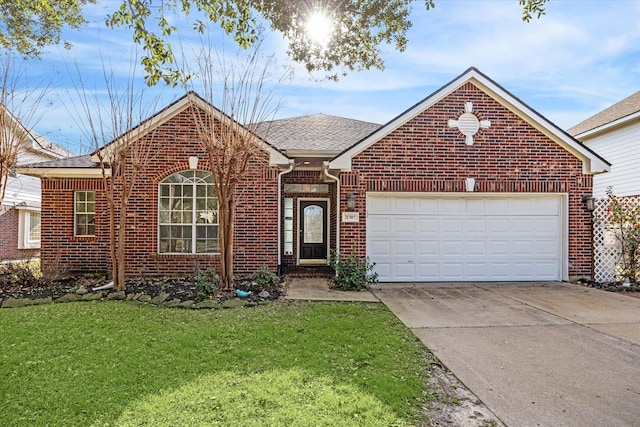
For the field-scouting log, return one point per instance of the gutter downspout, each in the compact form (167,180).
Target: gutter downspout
(280,174)
(325,169)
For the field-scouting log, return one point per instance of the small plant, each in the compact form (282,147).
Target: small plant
(352,272)
(626,227)
(265,279)
(208,283)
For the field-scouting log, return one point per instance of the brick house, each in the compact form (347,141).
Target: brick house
(20,208)
(468,184)
(615,133)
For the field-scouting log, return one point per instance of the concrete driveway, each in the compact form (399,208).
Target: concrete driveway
(537,354)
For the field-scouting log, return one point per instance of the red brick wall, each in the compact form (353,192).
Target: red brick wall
(9,237)
(426,155)
(173,142)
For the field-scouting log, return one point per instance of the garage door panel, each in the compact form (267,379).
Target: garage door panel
(476,247)
(379,248)
(497,225)
(476,225)
(542,247)
(405,271)
(450,247)
(478,238)
(428,271)
(452,270)
(427,225)
(427,248)
(428,206)
(405,248)
(404,225)
(498,248)
(451,225)
(379,225)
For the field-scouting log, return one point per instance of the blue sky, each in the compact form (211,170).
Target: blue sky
(578,59)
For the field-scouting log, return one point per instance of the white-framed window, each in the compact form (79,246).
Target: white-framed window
(188,214)
(84,213)
(28,229)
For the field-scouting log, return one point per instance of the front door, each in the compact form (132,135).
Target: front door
(313,231)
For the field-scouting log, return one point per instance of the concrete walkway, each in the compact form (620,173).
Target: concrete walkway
(317,289)
(537,354)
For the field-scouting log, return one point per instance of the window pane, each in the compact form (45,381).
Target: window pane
(313,224)
(181,207)
(34,226)
(84,213)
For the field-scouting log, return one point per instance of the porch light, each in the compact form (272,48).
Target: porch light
(351,202)
(193,162)
(589,203)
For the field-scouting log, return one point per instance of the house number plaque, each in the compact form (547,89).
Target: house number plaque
(350,217)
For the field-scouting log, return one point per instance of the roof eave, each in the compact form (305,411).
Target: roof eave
(63,172)
(608,126)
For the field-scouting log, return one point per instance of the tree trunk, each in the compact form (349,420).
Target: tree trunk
(226,240)
(118,283)
(112,242)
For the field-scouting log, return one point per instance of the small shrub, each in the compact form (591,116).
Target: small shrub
(208,283)
(625,218)
(265,279)
(352,272)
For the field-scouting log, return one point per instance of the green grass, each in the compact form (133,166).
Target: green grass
(113,363)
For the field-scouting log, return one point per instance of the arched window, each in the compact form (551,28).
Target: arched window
(188,213)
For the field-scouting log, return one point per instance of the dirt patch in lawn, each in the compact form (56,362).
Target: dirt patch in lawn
(451,404)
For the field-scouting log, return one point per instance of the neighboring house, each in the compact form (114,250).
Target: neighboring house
(614,133)
(468,184)
(20,209)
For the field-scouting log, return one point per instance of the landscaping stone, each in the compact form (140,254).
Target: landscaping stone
(172,303)
(234,303)
(92,296)
(136,296)
(131,296)
(69,298)
(208,304)
(144,298)
(82,291)
(264,294)
(187,304)
(252,303)
(159,299)
(117,296)
(40,301)
(16,302)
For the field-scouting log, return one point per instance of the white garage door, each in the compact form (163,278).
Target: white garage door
(465,238)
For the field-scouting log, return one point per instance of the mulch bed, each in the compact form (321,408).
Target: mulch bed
(178,288)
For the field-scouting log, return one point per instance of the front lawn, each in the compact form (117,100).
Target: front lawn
(114,363)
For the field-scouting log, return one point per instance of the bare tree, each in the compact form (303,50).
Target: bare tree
(19,107)
(242,89)
(123,146)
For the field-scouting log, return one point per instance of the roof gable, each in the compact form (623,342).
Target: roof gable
(174,109)
(616,115)
(592,163)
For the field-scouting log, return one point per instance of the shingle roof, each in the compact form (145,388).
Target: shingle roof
(316,132)
(617,111)
(70,162)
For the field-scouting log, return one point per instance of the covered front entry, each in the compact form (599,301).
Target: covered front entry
(467,237)
(313,231)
